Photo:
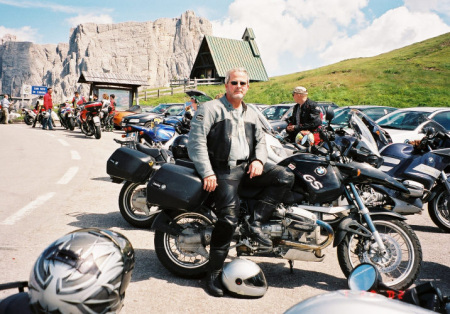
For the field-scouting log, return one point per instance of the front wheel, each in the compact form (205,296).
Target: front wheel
(399,267)
(185,255)
(28,120)
(98,132)
(133,205)
(439,209)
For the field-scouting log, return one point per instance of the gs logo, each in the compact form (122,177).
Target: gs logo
(315,184)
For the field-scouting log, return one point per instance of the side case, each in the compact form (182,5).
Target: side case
(130,165)
(176,187)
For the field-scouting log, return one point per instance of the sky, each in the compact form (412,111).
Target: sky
(292,35)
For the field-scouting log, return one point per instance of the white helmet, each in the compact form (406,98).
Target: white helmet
(86,271)
(244,278)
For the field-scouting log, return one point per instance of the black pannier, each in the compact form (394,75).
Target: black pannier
(176,187)
(130,165)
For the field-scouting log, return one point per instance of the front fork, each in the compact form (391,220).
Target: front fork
(365,213)
(445,180)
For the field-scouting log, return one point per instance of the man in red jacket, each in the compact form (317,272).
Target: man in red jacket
(48,106)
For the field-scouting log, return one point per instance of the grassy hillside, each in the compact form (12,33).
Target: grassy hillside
(416,75)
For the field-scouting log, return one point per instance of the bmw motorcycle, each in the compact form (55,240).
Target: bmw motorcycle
(423,167)
(300,229)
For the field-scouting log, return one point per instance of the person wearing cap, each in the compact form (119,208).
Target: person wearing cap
(305,116)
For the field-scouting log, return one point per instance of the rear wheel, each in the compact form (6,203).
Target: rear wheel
(133,205)
(399,267)
(439,209)
(185,255)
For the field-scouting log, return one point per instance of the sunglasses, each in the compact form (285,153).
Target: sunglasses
(236,82)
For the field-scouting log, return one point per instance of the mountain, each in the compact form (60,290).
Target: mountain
(159,50)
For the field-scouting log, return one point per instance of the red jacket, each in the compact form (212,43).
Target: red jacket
(48,103)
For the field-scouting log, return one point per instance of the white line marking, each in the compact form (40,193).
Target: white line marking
(11,220)
(68,175)
(52,135)
(75,155)
(63,142)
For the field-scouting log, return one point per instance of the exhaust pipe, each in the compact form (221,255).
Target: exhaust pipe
(314,247)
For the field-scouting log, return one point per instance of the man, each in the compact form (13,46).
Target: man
(112,100)
(48,106)
(227,146)
(78,100)
(5,108)
(306,115)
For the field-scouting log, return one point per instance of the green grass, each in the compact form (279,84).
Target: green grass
(416,75)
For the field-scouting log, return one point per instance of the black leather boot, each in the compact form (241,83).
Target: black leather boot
(261,213)
(214,277)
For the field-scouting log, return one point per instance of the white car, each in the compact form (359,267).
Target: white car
(411,123)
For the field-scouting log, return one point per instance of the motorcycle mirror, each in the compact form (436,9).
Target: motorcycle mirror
(364,277)
(329,114)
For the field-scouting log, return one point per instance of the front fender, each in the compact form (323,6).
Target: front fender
(349,224)
(96,120)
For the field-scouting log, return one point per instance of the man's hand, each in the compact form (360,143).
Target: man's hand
(255,169)
(210,183)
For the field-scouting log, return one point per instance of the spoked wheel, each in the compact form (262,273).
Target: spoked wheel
(439,209)
(28,120)
(399,267)
(133,205)
(185,255)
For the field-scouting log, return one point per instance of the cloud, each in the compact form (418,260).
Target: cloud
(395,29)
(436,6)
(295,35)
(89,18)
(25,33)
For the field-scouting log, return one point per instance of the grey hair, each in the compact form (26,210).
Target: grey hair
(239,69)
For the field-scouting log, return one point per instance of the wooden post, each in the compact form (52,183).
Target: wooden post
(171,92)
(145,95)
(158,93)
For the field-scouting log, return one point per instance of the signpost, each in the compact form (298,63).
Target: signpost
(38,90)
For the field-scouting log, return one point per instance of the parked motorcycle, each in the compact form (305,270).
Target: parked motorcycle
(368,294)
(65,112)
(89,119)
(29,115)
(423,167)
(106,117)
(300,229)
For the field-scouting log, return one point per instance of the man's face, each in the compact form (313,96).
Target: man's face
(50,91)
(300,98)
(237,86)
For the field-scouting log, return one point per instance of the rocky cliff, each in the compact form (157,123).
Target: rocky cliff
(159,50)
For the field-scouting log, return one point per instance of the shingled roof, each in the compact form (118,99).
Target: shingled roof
(111,78)
(218,55)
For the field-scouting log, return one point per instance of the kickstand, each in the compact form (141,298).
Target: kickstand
(291,265)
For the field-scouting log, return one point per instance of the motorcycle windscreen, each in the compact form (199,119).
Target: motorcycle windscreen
(176,187)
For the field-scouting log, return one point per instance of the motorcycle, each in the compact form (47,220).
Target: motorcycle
(106,118)
(300,229)
(29,115)
(89,119)
(368,294)
(422,168)
(65,112)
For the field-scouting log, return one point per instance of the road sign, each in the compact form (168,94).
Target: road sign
(38,90)
(26,89)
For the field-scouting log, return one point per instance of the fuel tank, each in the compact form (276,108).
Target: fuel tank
(315,176)
(402,162)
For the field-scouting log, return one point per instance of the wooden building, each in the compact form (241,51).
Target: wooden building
(218,55)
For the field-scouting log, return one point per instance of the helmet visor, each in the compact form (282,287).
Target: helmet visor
(256,281)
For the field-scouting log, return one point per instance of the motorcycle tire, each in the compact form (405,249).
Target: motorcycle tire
(28,120)
(439,209)
(98,132)
(180,258)
(133,205)
(71,123)
(400,268)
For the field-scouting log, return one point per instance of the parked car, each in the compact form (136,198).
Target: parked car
(120,114)
(410,123)
(277,114)
(160,111)
(341,115)
(261,107)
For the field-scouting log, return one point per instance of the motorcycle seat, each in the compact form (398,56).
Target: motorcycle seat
(157,153)
(185,163)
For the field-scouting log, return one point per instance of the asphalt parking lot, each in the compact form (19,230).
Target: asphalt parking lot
(70,170)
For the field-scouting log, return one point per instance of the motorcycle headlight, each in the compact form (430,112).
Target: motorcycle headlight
(278,151)
(133,121)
